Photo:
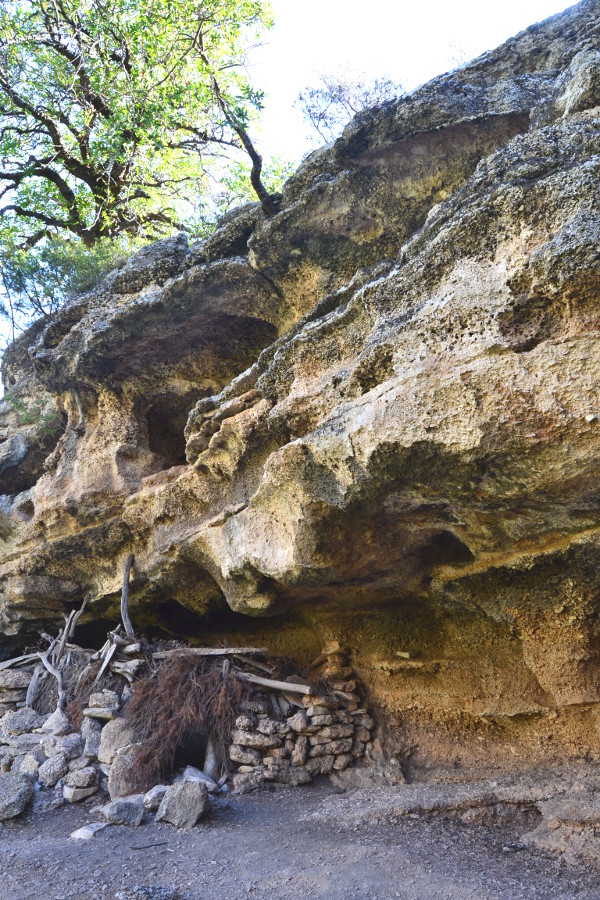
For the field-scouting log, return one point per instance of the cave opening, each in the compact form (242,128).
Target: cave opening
(166,420)
(191,749)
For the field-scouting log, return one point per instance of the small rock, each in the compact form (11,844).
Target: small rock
(104,699)
(298,722)
(91,732)
(71,745)
(125,810)
(81,762)
(101,712)
(244,755)
(254,706)
(366,721)
(122,777)
(300,751)
(53,769)
(342,761)
(153,798)
(183,804)
(75,794)
(278,752)
(88,831)
(30,766)
(14,678)
(13,696)
(328,719)
(272,764)
(293,777)
(192,774)
(81,778)
(57,724)
(342,746)
(253,739)
(246,722)
(270,726)
(322,704)
(338,731)
(243,784)
(50,746)
(15,793)
(321,765)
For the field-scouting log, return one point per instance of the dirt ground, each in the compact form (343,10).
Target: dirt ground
(265,846)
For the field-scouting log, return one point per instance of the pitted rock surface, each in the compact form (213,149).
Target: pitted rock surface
(373,418)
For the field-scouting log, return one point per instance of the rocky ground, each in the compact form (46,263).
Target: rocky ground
(308,842)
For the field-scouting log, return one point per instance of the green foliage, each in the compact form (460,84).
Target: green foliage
(36,413)
(234,188)
(113,111)
(36,281)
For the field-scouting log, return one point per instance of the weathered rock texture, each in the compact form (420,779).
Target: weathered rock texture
(392,399)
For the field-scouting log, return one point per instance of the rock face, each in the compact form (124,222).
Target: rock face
(374,417)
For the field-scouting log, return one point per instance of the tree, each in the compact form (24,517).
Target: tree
(113,111)
(330,104)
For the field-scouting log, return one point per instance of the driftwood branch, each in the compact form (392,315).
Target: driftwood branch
(75,619)
(111,652)
(33,688)
(274,684)
(211,651)
(59,678)
(125,598)
(18,661)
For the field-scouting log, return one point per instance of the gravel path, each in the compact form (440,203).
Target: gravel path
(263,846)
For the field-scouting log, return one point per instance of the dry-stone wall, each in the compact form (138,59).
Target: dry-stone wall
(279,736)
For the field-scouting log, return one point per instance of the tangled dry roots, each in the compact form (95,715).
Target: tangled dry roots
(183,694)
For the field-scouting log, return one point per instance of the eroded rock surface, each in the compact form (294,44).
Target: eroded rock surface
(372,418)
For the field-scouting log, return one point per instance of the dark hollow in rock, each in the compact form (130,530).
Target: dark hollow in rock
(191,750)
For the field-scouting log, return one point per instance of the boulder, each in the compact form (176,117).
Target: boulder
(183,804)
(122,777)
(15,793)
(21,721)
(125,810)
(116,737)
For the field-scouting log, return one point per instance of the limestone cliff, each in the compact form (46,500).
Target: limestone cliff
(374,417)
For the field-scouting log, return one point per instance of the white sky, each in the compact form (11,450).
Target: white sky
(410,42)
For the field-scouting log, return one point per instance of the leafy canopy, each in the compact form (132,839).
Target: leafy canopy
(112,112)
